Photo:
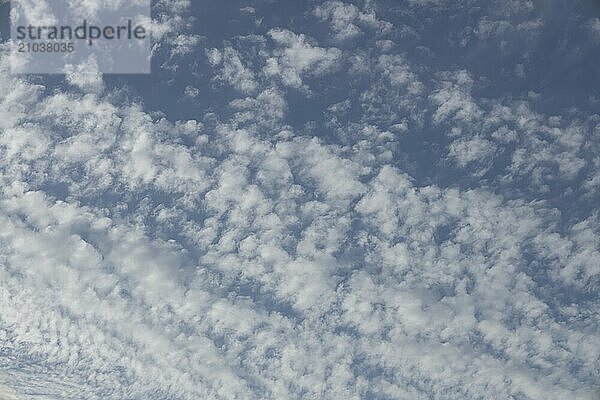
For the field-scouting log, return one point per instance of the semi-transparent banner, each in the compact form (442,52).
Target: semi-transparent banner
(55,36)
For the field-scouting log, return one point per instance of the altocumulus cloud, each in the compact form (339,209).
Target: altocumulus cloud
(347,208)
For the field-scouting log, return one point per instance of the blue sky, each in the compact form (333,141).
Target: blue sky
(310,200)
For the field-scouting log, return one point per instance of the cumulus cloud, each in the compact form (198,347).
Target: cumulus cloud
(85,76)
(345,19)
(232,70)
(296,57)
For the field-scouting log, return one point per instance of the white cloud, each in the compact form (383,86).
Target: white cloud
(346,18)
(295,57)
(453,99)
(85,76)
(232,70)
(184,44)
(191,91)
(247,10)
(8,393)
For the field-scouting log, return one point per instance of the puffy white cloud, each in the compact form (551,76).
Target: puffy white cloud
(191,91)
(85,76)
(184,44)
(543,149)
(453,99)
(232,70)
(296,57)
(346,18)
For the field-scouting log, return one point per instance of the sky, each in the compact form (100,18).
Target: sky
(371,199)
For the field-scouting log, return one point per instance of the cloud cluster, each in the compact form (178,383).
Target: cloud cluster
(241,255)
